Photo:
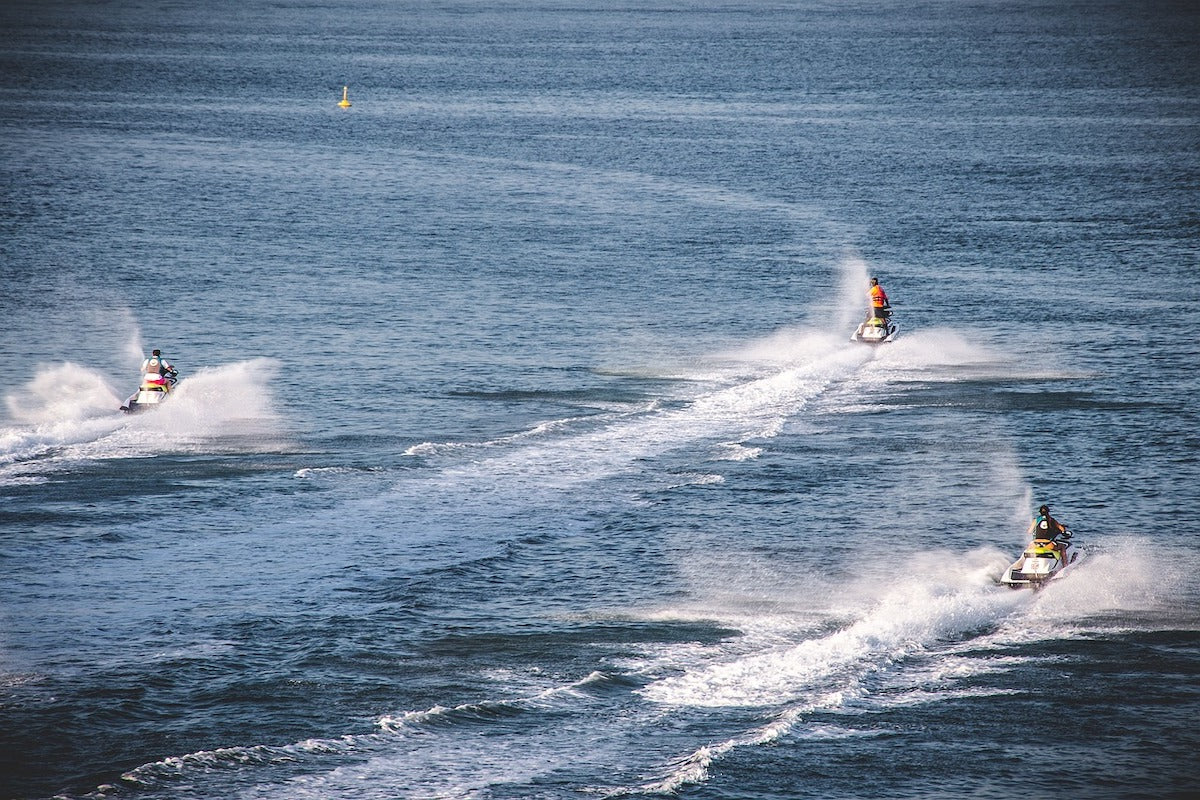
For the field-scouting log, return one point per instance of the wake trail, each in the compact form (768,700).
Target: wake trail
(553,454)
(922,640)
(759,387)
(767,384)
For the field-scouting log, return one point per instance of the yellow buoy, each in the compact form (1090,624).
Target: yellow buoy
(345,97)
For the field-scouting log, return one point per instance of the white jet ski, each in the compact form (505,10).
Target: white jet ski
(1043,561)
(876,330)
(153,392)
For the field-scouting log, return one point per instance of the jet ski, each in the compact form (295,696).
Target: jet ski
(1043,561)
(153,392)
(876,330)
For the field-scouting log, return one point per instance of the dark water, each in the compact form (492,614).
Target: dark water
(520,451)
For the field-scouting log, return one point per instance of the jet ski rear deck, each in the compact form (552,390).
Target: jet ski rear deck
(1042,561)
(876,330)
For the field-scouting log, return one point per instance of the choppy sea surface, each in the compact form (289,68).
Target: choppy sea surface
(520,450)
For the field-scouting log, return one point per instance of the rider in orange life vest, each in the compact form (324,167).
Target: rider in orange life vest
(880,307)
(1047,527)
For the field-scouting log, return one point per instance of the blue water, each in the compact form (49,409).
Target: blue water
(520,450)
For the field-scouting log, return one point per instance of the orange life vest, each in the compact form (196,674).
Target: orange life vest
(878,297)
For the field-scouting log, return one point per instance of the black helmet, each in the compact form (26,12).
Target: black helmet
(1044,510)
(156,353)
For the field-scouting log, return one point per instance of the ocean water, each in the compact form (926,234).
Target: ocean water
(520,450)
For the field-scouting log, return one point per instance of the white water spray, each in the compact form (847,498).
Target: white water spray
(68,413)
(61,393)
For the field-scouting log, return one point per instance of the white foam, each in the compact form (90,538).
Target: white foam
(736,451)
(680,480)
(313,473)
(694,767)
(539,430)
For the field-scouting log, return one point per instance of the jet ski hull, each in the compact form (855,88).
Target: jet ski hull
(876,331)
(153,392)
(1040,563)
(144,401)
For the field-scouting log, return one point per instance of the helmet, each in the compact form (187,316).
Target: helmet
(1044,510)
(157,353)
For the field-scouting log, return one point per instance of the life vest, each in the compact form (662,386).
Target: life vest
(878,296)
(156,365)
(1046,527)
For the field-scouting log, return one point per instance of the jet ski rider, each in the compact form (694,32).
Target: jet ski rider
(158,365)
(1047,527)
(880,307)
